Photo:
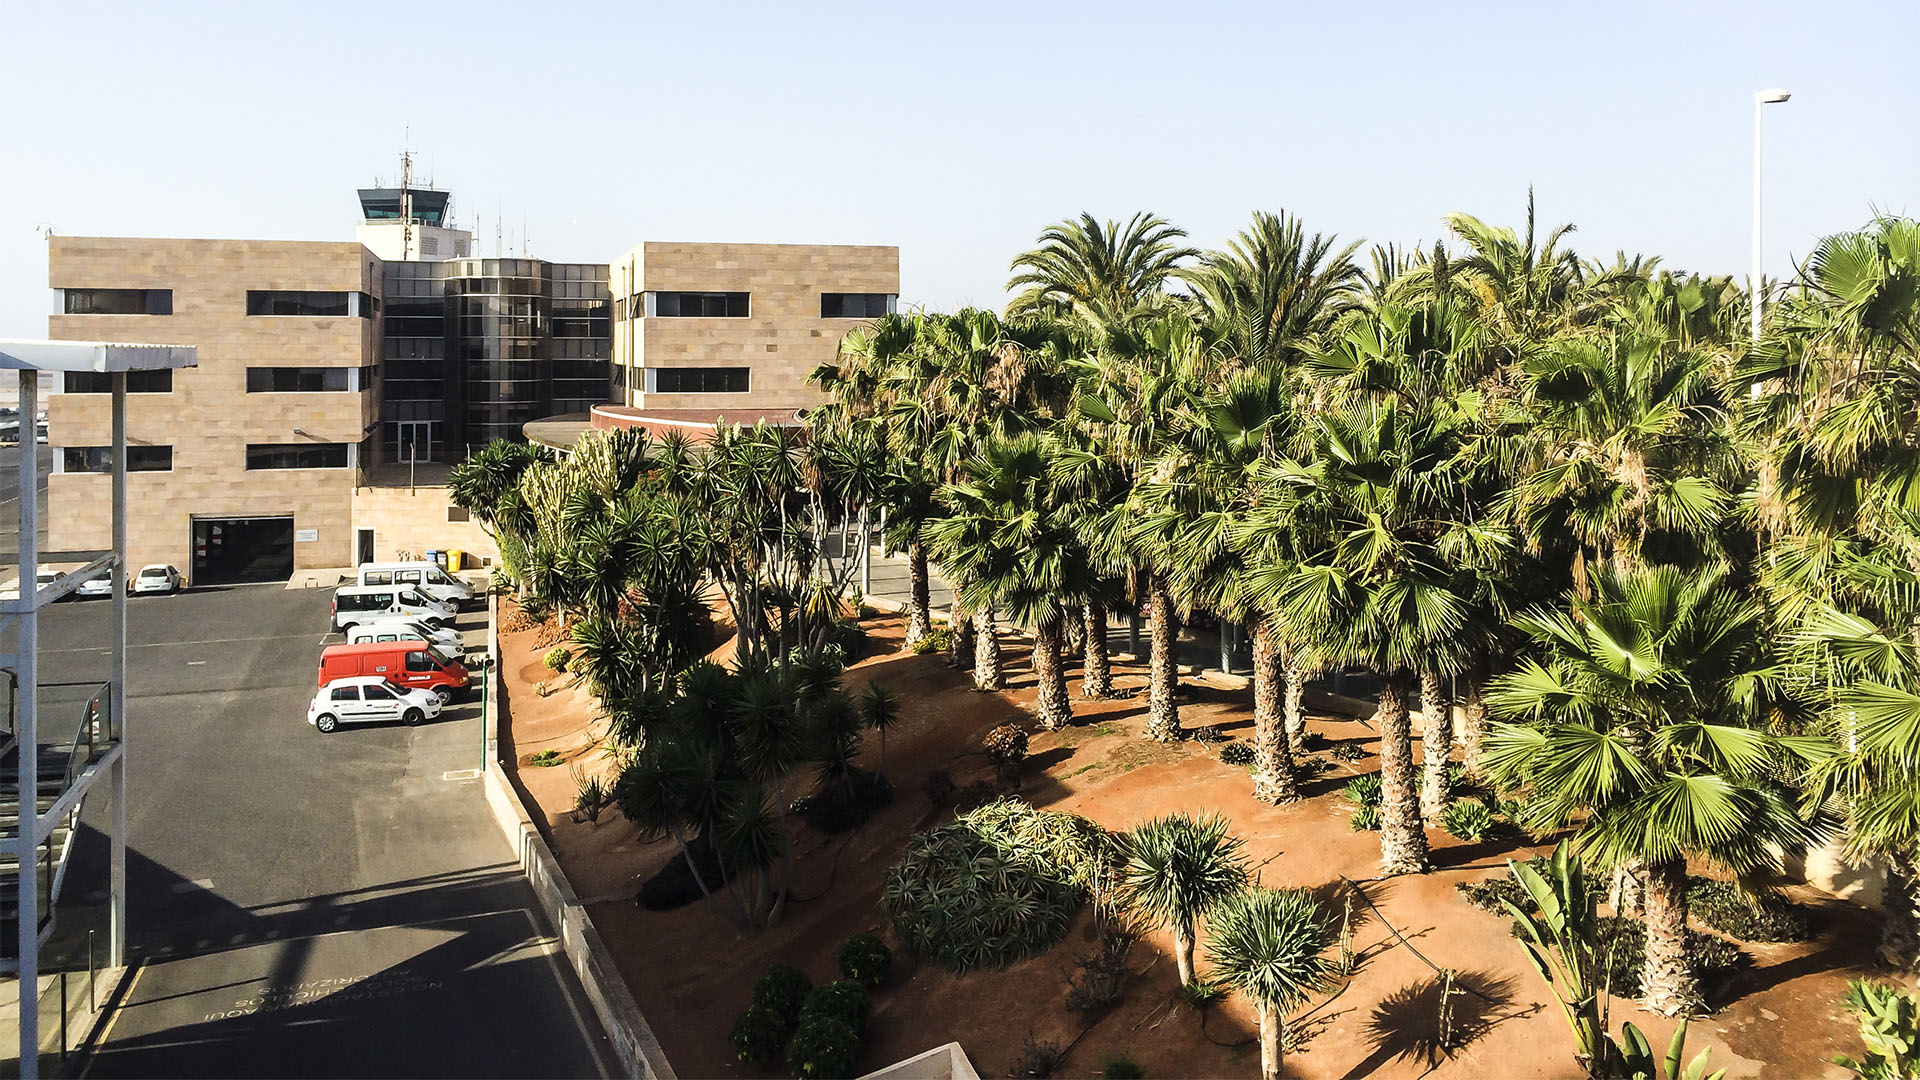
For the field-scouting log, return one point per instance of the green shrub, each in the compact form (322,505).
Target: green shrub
(1710,956)
(1203,993)
(1365,818)
(759,1035)
(1347,751)
(1309,767)
(866,960)
(938,640)
(557,658)
(825,1047)
(545,759)
(1724,907)
(1363,790)
(1237,753)
(848,637)
(846,1002)
(1311,741)
(1889,1028)
(782,989)
(1467,819)
(1120,1067)
(1488,894)
(997,884)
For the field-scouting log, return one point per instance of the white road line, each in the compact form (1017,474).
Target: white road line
(195,663)
(461,774)
(548,948)
(207,641)
(193,886)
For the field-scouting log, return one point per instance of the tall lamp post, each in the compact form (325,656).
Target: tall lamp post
(1760,101)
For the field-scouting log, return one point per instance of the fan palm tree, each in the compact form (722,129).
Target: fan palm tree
(1100,275)
(1642,726)
(1269,944)
(1177,869)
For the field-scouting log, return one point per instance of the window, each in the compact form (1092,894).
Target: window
(376,577)
(284,302)
(378,692)
(153,381)
(711,380)
(367,601)
(296,455)
(99,459)
(697,305)
(346,693)
(118,301)
(456,513)
(420,661)
(855,305)
(293,380)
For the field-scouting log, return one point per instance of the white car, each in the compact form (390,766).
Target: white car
(362,698)
(101,585)
(446,637)
(156,578)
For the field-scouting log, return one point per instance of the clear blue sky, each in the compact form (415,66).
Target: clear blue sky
(956,130)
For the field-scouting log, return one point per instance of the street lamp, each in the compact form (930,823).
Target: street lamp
(1760,100)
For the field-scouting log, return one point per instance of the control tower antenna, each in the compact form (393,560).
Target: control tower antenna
(406,205)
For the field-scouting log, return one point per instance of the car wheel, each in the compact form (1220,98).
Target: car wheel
(326,723)
(445,695)
(412,717)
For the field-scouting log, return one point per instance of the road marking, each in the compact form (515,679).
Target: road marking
(550,947)
(197,641)
(461,774)
(202,884)
(106,1033)
(195,663)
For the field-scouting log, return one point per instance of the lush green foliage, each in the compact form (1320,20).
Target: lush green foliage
(1237,753)
(865,959)
(846,1002)
(1748,917)
(759,1035)
(1467,819)
(556,658)
(781,990)
(1177,869)
(824,1048)
(1889,1026)
(997,884)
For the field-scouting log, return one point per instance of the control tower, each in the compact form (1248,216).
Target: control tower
(409,224)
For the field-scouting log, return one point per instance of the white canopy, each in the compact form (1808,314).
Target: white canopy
(92,356)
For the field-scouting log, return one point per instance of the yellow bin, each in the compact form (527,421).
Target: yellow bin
(456,560)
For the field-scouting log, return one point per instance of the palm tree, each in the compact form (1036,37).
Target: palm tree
(1177,869)
(1642,726)
(880,712)
(1274,289)
(1269,945)
(1098,275)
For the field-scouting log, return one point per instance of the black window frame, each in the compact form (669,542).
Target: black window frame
(834,305)
(702,380)
(99,459)
(146,381)
(264,457)
(675,304)
(117,301)
(310,303)
(266,380)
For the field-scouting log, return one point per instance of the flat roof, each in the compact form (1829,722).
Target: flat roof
(93,356)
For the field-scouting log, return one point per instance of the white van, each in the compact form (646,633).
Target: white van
(428,577)
(386,628)
(355,604)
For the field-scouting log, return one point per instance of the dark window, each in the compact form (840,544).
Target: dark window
(377,577)
(263,302)
(456,513)
(296,455)
(119,301)
(714,380)
(379,692)
(293,380)
(152,381)
(419,661)
(346,693)
(700,305)
(100,458)
(855,305)
(373,601)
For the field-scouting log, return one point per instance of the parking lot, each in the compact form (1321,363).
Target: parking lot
(306,904)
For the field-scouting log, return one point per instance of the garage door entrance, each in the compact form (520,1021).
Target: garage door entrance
(229,551)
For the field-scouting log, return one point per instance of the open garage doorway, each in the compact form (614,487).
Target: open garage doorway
(231,551)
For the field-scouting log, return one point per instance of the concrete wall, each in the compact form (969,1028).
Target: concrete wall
(416,520)
(209,418)
(783,339)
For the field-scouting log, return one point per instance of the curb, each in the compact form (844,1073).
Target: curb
(634,1044)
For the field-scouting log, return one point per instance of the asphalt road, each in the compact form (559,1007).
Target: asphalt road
(10,494)
(305,904)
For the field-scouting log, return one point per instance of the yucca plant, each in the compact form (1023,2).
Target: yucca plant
(1177,869)
(1269,945)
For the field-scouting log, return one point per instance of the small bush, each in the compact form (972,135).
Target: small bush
(1203,994)
(1312,741)
(782,989)
(545,759)
(1468,819)
(557,658)
(939,787)
(1487,895)
(1511,809)
(1724,907)
(843,1001)
(1007,748)
(1120,1067)
(1237,753)
(824,1048)
(1309,767)
(1209,734)
(1037,1060)
(938,640)
(1103,973)
(590,795)
(1457,777)
(1365,819)
(543,688)
(1363,790)
(866,960)
(1347,751)
(759,1035)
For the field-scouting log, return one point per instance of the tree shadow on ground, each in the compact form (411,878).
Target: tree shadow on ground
(1845,938)
(1409,1023)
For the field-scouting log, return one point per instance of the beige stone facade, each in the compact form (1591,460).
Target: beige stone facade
(209,418)
(782,338)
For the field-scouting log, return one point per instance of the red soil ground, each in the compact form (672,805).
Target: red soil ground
(691,970)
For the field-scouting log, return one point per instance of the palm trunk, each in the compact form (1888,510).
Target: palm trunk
(1627,891)
(1473,707)
(1051,703)
(1272,1041)
(1183,952)
(1274,780)
(919,619)
(1403,843)
(1667,985)
(988,671)
(960,643)
(1073,631)
(1899,947)
(1436,744)
(1163,717)
(1296,668)
(1096,674)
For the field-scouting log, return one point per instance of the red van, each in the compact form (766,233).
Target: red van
(413,664)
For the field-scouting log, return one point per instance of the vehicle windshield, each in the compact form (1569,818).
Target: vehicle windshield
(394,688)
(154,571)
(441,577)
(439,656)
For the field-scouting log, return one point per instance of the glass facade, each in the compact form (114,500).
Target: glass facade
(475,348)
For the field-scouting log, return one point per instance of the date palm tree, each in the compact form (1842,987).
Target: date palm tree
(1641,724)
(1270,944)
(1100,275)
(1177,869)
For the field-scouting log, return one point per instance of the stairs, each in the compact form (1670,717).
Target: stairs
(54,763)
